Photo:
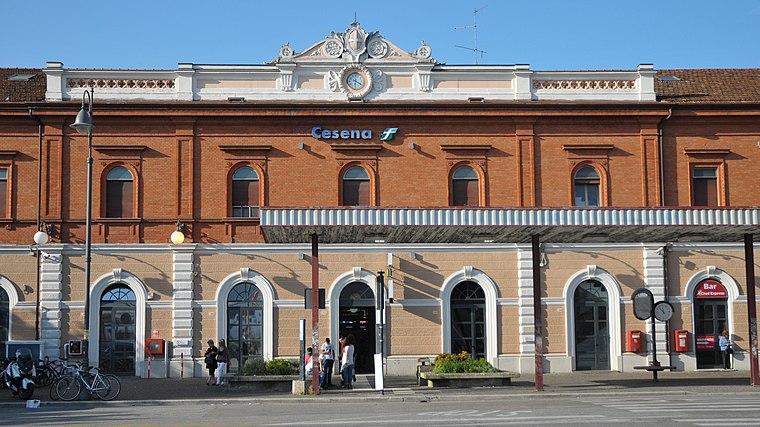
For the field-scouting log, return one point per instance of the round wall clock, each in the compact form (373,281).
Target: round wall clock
(355,81)
(663,311)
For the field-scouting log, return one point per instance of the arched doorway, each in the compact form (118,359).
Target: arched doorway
(468,319)
(592,332)
(5,320)
(357,317)
(245,324)
(710,319)
(118,312)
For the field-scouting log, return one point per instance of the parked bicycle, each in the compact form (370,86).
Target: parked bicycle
(102,386)
(49,371)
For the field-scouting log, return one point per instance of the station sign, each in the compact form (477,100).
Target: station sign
(710,289)
(351,134)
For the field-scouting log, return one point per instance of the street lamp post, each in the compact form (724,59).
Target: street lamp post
(83,125)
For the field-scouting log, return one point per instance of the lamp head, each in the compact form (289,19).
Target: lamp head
(178,236)
(40,238)
(83,122)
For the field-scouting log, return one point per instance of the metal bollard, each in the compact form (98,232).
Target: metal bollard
(149,367)
(182,366)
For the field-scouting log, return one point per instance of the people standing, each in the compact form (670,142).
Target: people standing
(347,362)
(221,360)
(209,358)
(725,349)
(308,365)
(327,359)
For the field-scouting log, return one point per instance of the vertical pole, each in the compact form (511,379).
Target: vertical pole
(88,242)
(537,313)
(37,292)
(749,262)
(182,366)
(655,362)
(315,310)
(302,349)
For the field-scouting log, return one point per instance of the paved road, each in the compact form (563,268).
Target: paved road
(668,410)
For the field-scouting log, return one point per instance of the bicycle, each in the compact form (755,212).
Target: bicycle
(48,372)
(103,386)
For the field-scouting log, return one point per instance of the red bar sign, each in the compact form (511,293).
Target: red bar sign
(705,342)
(710,289)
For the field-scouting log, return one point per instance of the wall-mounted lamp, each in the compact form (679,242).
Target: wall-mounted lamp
(301,255)
(28,290)
(411,145)
(151,296)
(178,236)
(300,146)
(40,238)
(414,256)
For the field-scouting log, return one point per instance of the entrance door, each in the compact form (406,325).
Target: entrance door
(357,317)
(245,325)
(5,317)
(468,319)
(711,319)
(592,336)
(117,330)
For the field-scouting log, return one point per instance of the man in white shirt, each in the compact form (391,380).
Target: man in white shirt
(327,359)
(347,362)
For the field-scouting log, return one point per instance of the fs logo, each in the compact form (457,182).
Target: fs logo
(388,133)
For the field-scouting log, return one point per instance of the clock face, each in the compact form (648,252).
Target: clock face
(355,80)
(663,311)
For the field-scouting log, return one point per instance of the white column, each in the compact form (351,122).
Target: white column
(654,278)
(525,316)
(182,313)
(50,302)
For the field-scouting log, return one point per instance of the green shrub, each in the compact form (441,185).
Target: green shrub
(447,363)
(272,367)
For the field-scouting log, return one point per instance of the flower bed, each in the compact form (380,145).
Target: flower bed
(461,370)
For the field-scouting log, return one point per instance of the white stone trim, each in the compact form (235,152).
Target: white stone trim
(732,287)
(50,301)
(357,274)
(118,276)
(468,273)
(417,302)
(182,300)
(614,293)
(267,292)
(654,278)
(12,292)
(525,319)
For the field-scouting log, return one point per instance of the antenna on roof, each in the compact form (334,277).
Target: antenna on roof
(474,27)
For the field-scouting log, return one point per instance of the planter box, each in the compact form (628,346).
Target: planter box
(262,383)
(490,379)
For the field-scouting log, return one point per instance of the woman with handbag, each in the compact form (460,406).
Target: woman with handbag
(209,358)
(221,361)
(725,348)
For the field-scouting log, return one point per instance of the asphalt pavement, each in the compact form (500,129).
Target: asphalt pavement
(166,391)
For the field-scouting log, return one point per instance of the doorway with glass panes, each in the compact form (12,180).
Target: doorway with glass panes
(592,333)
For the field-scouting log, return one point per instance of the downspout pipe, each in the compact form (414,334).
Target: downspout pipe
(39,222)
(661,152)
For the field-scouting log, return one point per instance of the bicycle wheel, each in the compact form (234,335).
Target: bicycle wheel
(113,389)
(68,388)
(44,376)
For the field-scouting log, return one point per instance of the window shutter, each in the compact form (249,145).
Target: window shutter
(363,193)
(253,193)
(472,193)
(351,193)
(127,199)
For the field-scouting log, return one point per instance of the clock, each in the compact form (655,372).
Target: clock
(663,311)
(355,81)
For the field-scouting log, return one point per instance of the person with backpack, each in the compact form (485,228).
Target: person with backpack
(221,360)
(209,358)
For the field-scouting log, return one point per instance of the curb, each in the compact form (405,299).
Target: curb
(403,397)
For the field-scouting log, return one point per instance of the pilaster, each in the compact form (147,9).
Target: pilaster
(525,312)
(50,301)
(654,277)
(182,302)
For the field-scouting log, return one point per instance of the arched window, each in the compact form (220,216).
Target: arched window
(468,319)
(245,324)
(464,187)
(355,187)
(119,193)
(586,183)
(118,313)
(245,193)
(592,332)
(5,319)
(357,318)
(3,193)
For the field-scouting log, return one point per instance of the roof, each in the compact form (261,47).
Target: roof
(30,87)
(709,85)
(694,86)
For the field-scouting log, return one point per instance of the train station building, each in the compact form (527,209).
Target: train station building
(441,176)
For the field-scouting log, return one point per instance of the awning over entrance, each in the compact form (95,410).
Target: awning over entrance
(494,225)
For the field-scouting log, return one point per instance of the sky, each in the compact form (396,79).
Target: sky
(547,34)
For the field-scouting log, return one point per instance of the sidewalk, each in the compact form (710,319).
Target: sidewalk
(173,390)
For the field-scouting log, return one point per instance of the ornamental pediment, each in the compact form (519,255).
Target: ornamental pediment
(355,45)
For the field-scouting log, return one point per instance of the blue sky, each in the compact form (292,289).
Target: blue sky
(548,35)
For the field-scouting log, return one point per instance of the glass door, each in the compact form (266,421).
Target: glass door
(592,337)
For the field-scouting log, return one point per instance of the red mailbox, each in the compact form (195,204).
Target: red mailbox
(635,341)
(154,346)
(681,340)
